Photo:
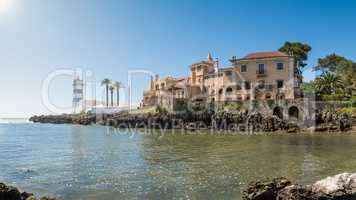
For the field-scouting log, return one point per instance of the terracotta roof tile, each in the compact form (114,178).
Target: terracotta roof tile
(270,54)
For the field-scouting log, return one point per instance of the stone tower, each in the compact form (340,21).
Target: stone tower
(78,88)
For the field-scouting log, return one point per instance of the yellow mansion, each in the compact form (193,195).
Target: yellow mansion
(257,76)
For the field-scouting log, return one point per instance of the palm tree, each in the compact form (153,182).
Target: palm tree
(118,85)
(107,83)
(329,83)
(112,88)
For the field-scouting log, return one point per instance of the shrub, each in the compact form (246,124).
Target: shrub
(198,106)
(350,111)
(353,101)
(333,97)
(271,103)
(180,106)
(232,106)
(350,103)
(161,110)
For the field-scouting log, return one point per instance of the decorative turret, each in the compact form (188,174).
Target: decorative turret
(210,58)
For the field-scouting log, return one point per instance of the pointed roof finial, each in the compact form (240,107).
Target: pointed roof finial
(210,58)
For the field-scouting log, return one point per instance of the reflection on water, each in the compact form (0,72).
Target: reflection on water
(13,120)
(78,162)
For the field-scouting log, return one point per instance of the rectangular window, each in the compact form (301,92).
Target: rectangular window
(228,73)
(77,90)
(261,68)
(280,84)
(261,84)
(280,66)
(247,85)
(243,68)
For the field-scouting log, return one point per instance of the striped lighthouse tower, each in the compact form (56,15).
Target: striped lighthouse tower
(78,87)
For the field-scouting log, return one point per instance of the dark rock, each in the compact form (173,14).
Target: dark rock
(47,198)
(12,193)
(9,192)
(265,190)
(26,196)
(345,122)
(295,192)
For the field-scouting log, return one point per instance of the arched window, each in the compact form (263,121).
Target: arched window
(268,96)
(293,112)
(228,90)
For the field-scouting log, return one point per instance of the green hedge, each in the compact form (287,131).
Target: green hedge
(232,106)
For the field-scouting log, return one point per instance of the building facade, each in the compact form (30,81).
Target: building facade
(257,76)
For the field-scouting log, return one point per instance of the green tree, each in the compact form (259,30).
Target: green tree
(329,84)
(308,87)
(329,63)
(107,83)
(347,70)
(299,51)
(344,68)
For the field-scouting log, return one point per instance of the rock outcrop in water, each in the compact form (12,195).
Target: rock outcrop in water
(339,187)
(12,193)
(232,121)
(53,119)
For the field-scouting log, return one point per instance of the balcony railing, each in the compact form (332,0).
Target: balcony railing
(261,73)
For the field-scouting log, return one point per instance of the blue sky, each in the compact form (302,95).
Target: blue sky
(110,37)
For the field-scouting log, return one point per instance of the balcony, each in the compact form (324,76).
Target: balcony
(261,73)
(266,87)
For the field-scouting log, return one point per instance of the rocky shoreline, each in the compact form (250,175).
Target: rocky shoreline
(13,193)
(231,121)
(339,187)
